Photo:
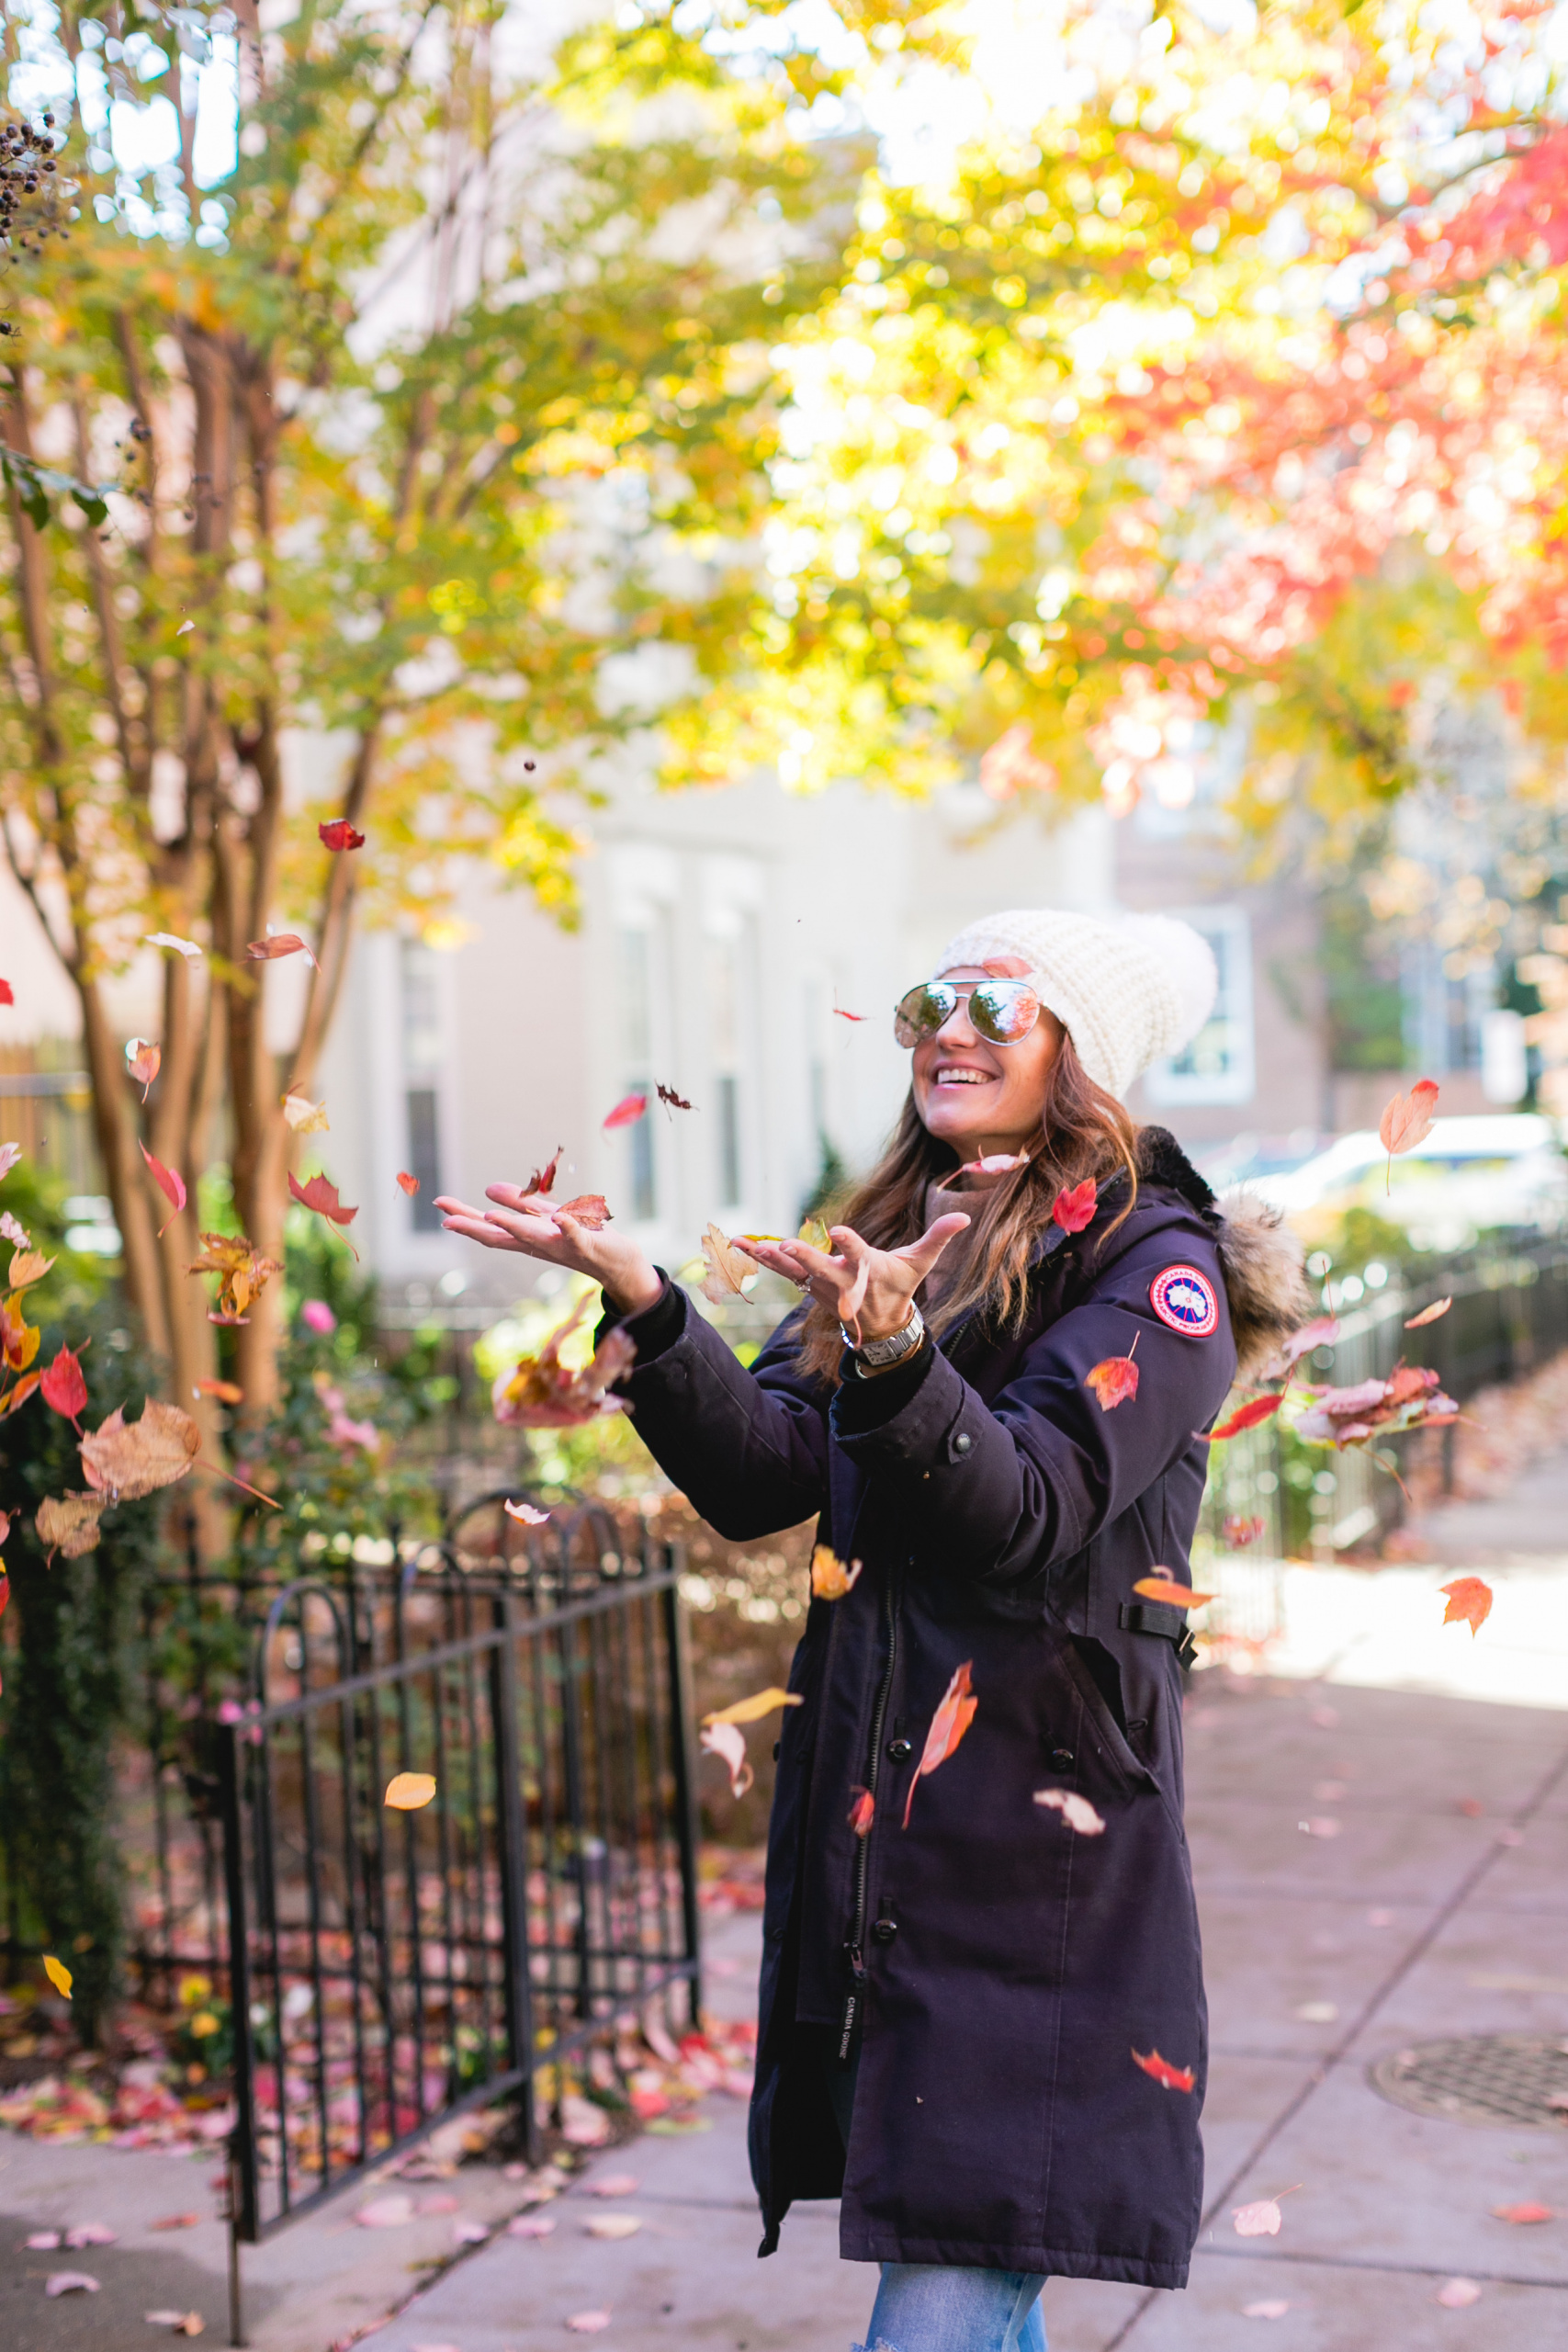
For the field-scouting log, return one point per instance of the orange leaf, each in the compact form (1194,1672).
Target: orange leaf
(1246,1417)
(1407,1119)
(124,1461)
(19,1394)
(340,834)
(1113,1382)
(830,1580)
(1173,1595)
(1469,1603)
(169,1181)
(407,1183)
(226,1391)
(862,1812)
(1170,2077)
(1432,1314)
(407,1791)
(275,944)
(142,1062)
(1239,1533)
(1073,1210)
(950,1721)
(626,1113)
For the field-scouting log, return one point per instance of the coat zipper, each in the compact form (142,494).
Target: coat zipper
(863,1860)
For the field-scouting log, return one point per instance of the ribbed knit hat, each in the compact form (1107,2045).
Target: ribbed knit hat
(1127,988)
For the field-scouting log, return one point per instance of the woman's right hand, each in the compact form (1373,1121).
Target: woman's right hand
(627,1277)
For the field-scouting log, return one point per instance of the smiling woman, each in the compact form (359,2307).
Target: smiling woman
(991,1397)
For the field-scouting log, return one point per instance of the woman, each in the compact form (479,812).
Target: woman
(982,2016)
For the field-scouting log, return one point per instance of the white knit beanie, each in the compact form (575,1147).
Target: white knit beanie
(1127,988)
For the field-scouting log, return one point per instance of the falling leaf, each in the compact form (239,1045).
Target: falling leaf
(1114,1381)
(1076,1810)
(58,1975)
(1172,1595)
(626,1113)
(68,1524)
(1321,1332)
(12,1231)
(278,942)
(245,1275)
(1521,2216)
(43,2242)
(728,1268)
(752,1710)
(1246,1417)
(125,1461)
(830,1580)
(841,1014)
(673,1101)
(175,2221)
(179,2322)
(1239,1533)
(407,1183)
(1458,2294)
(407,1791)
(862,1812)
(728,1741)
(526,1513)
(543,1179)
(953,1718)
(539,1392)
(1160,2070)
(590,1210)
(27,1266)
(338,833)
(64,1389)
(587,2322)
(614,2226)
(990,1163)
(7,994)
(83,2233)
(19,1338)
(69,2282)
(319,1193)
(169,1181)
(9,1154)
(1073,1210)
(228,1392)
(185,947)
(1432,1314)
(1259,2219)
(1470,1602)
(1273,2310)
(143,1063)
(303,1117)
(1406,1121)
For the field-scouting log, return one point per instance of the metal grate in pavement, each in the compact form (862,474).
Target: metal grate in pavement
(1513,2079)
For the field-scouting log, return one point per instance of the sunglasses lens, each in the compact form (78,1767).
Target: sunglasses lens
(921,1013)
(1004,1011)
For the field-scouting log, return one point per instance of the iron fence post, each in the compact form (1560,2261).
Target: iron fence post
(242,2139)
(512,1831)
(683,1764)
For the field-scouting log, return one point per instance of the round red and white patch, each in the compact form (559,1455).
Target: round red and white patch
(1185,1299)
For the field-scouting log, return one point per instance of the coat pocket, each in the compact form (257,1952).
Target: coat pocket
(1127,1767)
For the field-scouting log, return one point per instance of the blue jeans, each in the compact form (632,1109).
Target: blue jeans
(924,2307)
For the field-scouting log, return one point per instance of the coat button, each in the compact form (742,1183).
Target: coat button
(963,1442)
(899,1750)
(885,1930)
(1062,1755)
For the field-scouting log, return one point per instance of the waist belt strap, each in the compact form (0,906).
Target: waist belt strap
(1154,1617)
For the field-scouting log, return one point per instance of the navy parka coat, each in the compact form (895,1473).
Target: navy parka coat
(997,1967)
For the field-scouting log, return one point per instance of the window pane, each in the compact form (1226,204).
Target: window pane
(424,1157)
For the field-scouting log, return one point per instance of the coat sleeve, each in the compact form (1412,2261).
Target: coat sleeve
(747,1448)
(1003,1489)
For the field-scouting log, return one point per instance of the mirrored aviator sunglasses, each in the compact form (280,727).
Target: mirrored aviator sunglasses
(1002,1011)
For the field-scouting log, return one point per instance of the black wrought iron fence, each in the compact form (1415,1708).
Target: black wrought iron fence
(391,1967)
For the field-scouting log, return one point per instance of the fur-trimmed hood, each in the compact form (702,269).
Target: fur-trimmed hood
(1260,1257)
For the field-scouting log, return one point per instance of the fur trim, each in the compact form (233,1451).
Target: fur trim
(1265,1282)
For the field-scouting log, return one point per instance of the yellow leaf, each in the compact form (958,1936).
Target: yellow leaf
(58,1973)
(28,1266)
(830,1578)
(752,1710)
(406,1792)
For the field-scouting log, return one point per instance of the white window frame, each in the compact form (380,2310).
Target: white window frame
(1229,930)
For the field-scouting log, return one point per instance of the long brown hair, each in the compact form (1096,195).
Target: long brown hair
(1084,1131)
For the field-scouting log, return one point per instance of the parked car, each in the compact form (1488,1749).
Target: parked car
(1469,1176)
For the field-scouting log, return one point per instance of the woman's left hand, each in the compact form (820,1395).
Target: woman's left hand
(870,1291)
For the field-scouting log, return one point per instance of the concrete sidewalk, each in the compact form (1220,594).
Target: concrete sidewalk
(1425,1896)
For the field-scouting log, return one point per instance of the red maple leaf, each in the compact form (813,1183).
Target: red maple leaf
(1073,1210)
(1247,1416)
(410,1184)
(1114,1381)
(1470,1602)
(340,834)
(63,1388)
(320,1194)
(1170,2077)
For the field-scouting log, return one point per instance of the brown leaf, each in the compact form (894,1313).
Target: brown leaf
(68,1524)
(244,1271)
(278,942)
(124,1461)
(1432,1314)
(1470,1602)
(673,1101)
(728,1268)
(955,1713)
(591,1210)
